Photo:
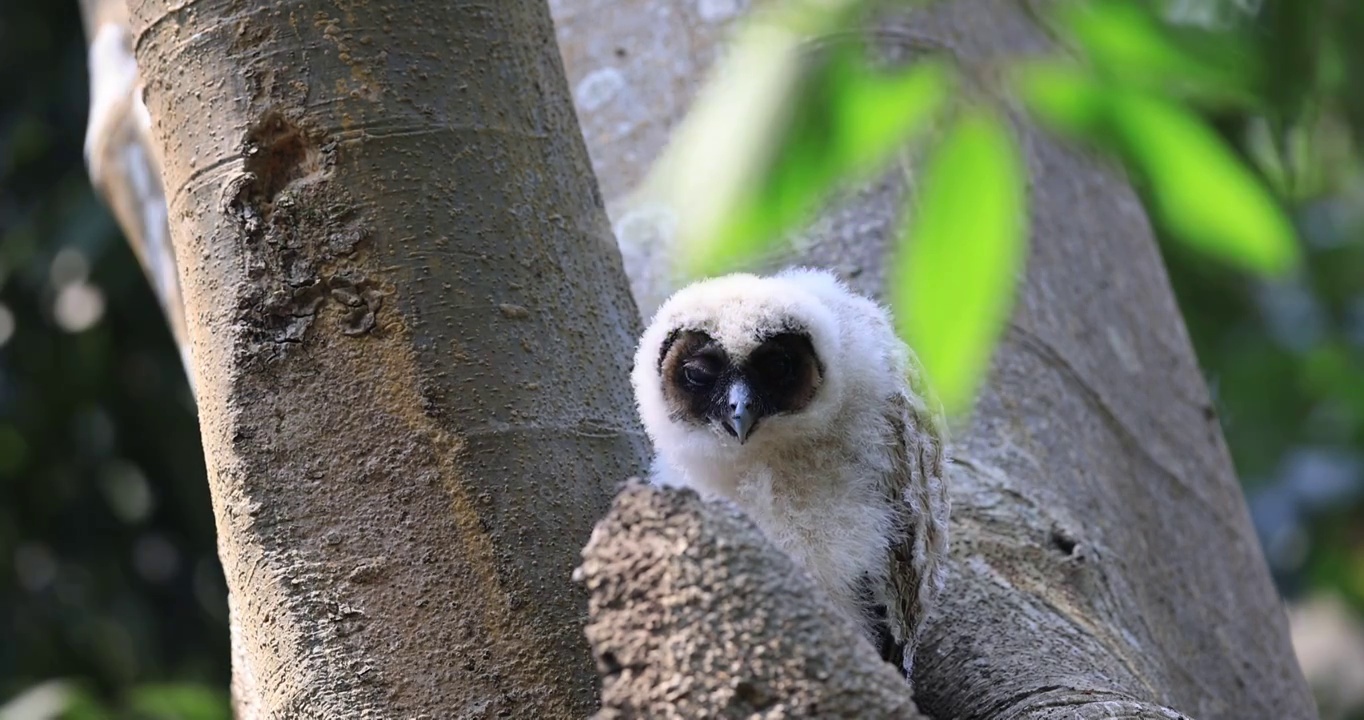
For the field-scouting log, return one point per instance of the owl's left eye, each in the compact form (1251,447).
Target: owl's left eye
(778,366)
(697,376)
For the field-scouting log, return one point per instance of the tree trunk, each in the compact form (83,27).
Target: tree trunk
(122,163)
(411,337)
(1103,562)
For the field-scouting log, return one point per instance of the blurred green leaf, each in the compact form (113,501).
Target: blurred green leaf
(783,130)
(847,121)
(711,164)
(48,699)
(1128,42)
(877,112)
(179,701)
(82,704)
(1202,192)
(1064,97)
(154,701)
(954,278)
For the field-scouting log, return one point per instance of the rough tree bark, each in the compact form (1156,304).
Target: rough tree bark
(411,336)
(1103,560)
(696,615)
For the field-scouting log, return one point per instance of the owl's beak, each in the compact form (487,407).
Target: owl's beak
(742,414)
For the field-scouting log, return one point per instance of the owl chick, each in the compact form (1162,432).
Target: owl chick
(792,397)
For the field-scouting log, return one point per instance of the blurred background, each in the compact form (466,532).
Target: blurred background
(110,588)
(111,597)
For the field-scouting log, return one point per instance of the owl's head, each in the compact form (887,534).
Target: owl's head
(739,363)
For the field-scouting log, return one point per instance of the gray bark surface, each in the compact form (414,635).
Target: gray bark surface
(1103,561)
(696,615)
(411,336)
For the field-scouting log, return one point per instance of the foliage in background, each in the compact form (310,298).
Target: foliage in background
(1287,358)
(108,570)
(150,701)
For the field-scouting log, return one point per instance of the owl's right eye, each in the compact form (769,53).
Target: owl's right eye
(697,376)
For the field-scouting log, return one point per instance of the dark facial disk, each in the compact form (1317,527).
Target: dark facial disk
(704,385)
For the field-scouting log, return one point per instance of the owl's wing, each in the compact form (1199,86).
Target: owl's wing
(918,492)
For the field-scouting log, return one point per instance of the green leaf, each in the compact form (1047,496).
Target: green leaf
(877,112)
(1063,96)
(179,701)
(954,279)
(846,123)
(1128,42)
(1195,184)
(773,138)
(1198,187)
(54,698)
(707,175)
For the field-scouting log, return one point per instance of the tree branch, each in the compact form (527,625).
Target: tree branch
(693,614)
(122,161)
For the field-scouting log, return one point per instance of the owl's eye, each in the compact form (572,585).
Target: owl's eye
(698,376)
(778,367)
